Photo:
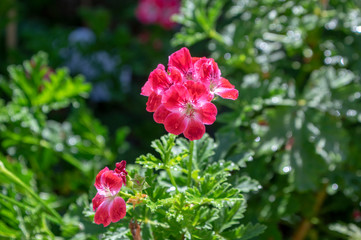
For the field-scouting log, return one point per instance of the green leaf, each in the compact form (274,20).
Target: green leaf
(139,183)
(7,232)
(202,152)
(38,85)
(150,161)
(118,234)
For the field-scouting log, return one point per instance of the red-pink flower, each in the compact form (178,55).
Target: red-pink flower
(186,109)
(207,71)
(181,98)
(147,11)
(157,11)
(108,205)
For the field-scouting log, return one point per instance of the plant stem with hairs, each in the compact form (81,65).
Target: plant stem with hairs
(305,226)
(190,162)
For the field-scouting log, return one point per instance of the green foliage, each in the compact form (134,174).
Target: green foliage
(290,145)
(296,65)
(211,209)
(352,231)
(45,156)
(34,143)
(35,84)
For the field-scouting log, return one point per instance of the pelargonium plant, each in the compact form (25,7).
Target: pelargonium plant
(184,193)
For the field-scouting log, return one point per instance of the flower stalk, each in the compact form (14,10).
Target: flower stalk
(172,179)
(190,163)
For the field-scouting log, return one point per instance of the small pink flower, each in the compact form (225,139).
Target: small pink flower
(168,9)
(207,71)
(147,11)
(157,12)
(108,205)
(186,108)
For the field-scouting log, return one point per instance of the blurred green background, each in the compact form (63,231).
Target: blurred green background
(295,129)
(102,40)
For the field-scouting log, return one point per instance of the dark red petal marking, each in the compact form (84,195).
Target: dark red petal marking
(161,81)
(175,98)
(111,181)
(198,92)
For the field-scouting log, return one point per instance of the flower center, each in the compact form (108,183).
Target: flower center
(212,86)
(189,75)
(189,109)
(105,191)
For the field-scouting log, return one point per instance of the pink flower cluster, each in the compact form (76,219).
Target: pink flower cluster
(181,97)
(108,205)
(157,11)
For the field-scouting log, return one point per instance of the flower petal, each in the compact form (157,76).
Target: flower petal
(175,74)
(195,59)
(161,81)
(226,90)
(102,214)
(117,209)
(175,98)
(147,89)
(98,184)
(198,93)
(120,166)
(160,114)
(195,130)
(161,67)
(112,182)
(175,123)
(181,59)
(97,200)
(206,70)
(154,101)
(120,170)
(208,113)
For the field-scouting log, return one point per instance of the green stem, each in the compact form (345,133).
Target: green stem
(20,183)
(191,147)
(306,224)
(172,179)
(126,195)
(45,226)
(166,160)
